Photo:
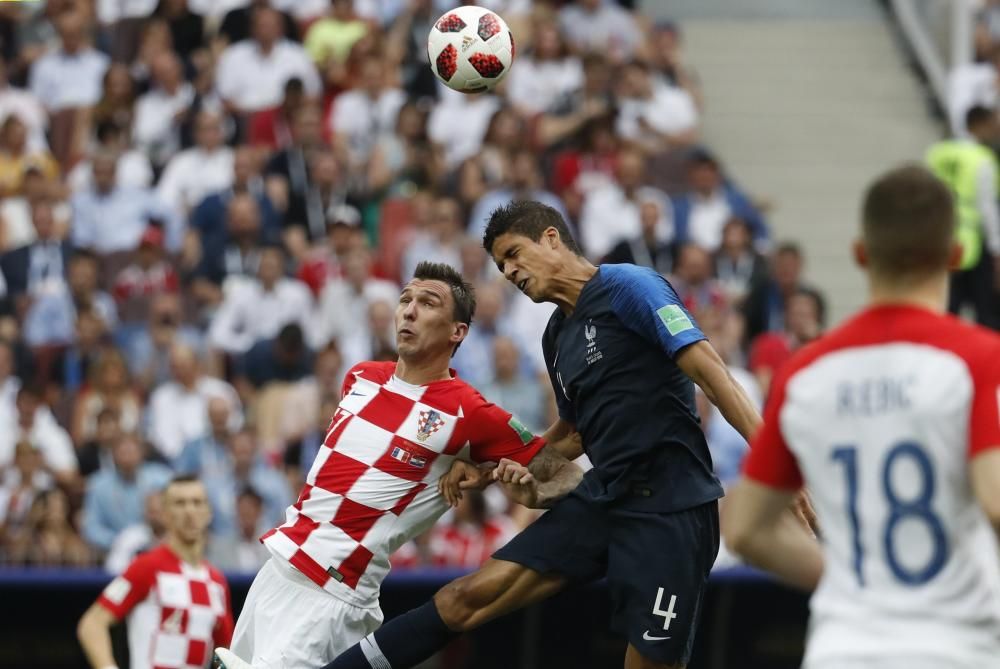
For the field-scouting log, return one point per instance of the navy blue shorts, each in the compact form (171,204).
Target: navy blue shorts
(657,566)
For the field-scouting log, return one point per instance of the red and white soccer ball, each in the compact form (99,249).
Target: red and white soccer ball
(470,49)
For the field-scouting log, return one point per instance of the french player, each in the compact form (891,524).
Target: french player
(892,422)
(374,485)
(621,352)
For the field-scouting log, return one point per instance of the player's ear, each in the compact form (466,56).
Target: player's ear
(955,257)
(552,235)
(461,330)
(860,253)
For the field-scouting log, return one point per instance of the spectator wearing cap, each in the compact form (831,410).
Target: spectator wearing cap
(252,73)
(344,302)
(711,200)
(601,25)
(324,261)
(257,309)
(648,248)
(32,421)
(306,219)
(16,156)
(109,218)
(178,407)
(150,274)
(70,75)
(115,498)
(38,268)
(159,112)
(203,169)
(133,169)
(51,316)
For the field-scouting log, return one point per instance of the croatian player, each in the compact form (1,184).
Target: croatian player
(374,484)
(892,421)
(622,352)
(177,603)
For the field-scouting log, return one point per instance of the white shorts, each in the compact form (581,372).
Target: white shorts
(290,622)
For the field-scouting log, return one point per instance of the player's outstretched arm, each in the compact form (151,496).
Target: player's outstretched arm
(757,526)
(704,366)
(563,437)
(94,633)
(985,475)
(545,480)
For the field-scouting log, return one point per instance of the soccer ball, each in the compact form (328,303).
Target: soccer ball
(470,49)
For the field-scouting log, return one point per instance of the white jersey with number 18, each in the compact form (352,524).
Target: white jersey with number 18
(879,419)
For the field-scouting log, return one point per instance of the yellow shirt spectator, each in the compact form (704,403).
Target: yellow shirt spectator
(332,38)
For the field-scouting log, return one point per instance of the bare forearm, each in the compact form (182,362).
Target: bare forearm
(735,406)
(785,550)
(556,476)
(564,439)
(96,642)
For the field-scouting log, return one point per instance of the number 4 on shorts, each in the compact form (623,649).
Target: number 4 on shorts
(669,614)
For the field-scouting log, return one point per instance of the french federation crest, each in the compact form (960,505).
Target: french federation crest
(429,423)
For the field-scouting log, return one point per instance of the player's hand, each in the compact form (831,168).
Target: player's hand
(464,476)
(519,484)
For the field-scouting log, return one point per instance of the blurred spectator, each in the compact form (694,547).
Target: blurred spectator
(506,134)
(234,253)
(652,114)
(764,308)
(241,549)
(272,128)
(20,485)
(471,536)
(805,318)
(257,309)
(16,227)
(458,123)
(110,218)
(50,540)
(38,268)
(237,23)
(137,538)
(160,112)
(326,260)
(513,389)
(10,383)
(361,114)
(524,182)
(117,103)
(440,241)
(588,163)
(694,281)
(148,350)
(51,316)
(24,105)
(545,74)
(108,387)
(284,358)
(408,27)
(306,219)
(115,497)
(332,37)
(611,212)
(150,274)
(475,359)
(404,158)
(701,214)
(71,365)
(16,156)
(648,249)
(287,173)
(186,27)
(600,25)
(666,59)
(740,268)
(194,173)
(121,21)
(95,453)
(251,74)
(972,85)
(574,109)
(376,339)
(178,408)
(218,430)
(133,169)
(71,75)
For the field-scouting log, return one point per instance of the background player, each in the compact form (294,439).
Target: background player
(177,603)
(892,420)
(622,353)
(373,486)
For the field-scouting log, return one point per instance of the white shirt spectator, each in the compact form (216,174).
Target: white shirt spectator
(426,248)
(15,216)
(62,81)
(609,216)
(707,218)
(968,86)
(458,123)
(361,119)
(110,11)
(116,221)
(178,415)
(127,545)
(306,10)
(54,443)
(154,129)
(343,309)
(29,109)
(249,313)
(215,9)
(253,81)
(535,86)
(133,171)
(193,174)
(609,29)
(670,110)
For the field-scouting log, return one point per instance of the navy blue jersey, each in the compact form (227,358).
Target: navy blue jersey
(612,366)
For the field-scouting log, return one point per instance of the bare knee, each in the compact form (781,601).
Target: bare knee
(459,602)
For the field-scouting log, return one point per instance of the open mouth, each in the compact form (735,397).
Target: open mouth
(521,284)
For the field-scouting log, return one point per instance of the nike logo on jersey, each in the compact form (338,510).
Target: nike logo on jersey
(354,393)
(647,637)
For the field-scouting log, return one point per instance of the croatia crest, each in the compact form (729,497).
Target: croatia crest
(429,423)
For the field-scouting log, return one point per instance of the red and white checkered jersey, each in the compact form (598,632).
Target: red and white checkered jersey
(373,485)
(177,613)
(880,419)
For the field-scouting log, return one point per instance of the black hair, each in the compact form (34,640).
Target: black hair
(462,292)
(530,219)
(978,115)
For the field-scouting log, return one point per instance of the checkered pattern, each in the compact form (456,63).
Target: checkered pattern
(373,485)
(177,613)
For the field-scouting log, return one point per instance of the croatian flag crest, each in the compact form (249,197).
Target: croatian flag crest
(430,422)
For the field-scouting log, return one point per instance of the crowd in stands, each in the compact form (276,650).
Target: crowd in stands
(208,208)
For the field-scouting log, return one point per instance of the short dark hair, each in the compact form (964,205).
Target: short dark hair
(178,479)
(462,292)
(978,116)
(908,223)
(530,219)
(817,299)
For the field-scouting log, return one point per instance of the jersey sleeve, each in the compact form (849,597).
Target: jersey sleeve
(648,305)
(497,434)
(127,590)
(222,633)
(769,460)
(984,416)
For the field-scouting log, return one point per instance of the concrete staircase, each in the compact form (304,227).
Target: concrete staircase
(806,100)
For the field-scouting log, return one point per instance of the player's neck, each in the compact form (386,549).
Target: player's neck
(418,373)
(931,293)
(191,553)
(568,284)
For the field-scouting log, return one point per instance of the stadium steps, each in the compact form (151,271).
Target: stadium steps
(806,100)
